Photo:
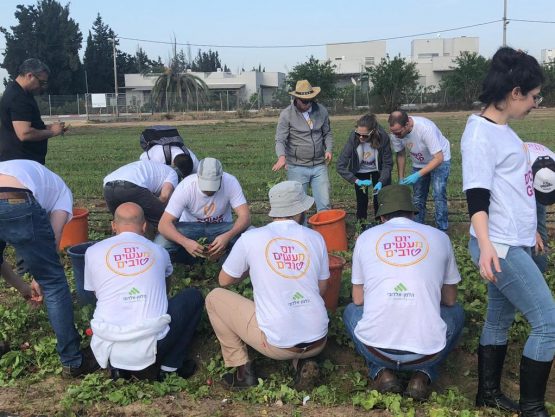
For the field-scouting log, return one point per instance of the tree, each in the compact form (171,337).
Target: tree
(548,87)
(208,62)
(392,79)
(99,60)
(175,89)
(464,83)
(319,74)
(45,31)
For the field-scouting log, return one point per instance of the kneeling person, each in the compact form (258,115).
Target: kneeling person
(288,268)
(134,324)
(200,208)
(404,315)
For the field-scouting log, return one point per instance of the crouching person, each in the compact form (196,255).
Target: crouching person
(288,267)
(134,325)
(404,315)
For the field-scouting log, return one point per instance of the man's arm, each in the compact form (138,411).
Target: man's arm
(166,192)
(58,219)
(449,294)
(401,160)
(282,136)
(225,280)
(327,139)
(219,244)
(167,228)
(358,294)
(26,133)
(436,161)
(30,292)
(323,286)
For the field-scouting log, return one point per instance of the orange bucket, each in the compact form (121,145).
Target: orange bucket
(77,230)
(331,225)
(331,296)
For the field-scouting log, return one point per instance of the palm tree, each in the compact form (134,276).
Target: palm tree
(175,87)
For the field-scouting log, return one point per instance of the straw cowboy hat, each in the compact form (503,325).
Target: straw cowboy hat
(304,90)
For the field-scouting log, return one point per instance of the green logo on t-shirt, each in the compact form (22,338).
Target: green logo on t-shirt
(134,291)
(400,287)
(297,296)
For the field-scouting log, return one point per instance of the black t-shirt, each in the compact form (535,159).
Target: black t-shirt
(18,105)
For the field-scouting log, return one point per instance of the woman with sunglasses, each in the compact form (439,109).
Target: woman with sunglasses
(498,181)
(365,161)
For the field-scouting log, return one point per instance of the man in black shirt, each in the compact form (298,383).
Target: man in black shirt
(23,135)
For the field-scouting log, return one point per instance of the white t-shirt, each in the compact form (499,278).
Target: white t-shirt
(494,158)
(189,204)
(286,261)
(403,266)
(536,150)
(146,174)
(156,154)
(423,142)
(128,274)
(50,191)
(368,158)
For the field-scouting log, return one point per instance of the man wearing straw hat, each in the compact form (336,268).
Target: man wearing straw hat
(404,315)
(288,267)
(304,143)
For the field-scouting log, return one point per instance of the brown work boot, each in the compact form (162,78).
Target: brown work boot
(387,381)
(418,387)
(306,375)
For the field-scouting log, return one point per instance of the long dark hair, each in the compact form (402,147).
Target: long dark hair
(369,121)
(510,68)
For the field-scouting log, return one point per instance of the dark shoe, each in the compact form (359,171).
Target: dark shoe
(248,379)
(4,347)
(116,373)
(306,375)
(418,387)
(387,381)
(187,370)
(533,382)
(88,365)
(490,368)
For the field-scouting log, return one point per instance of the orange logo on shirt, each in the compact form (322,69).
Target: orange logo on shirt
(129,259)
(209,209)
(367,155)
(402,247)
(409,145)
(287,257)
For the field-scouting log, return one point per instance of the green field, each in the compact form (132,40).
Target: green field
(29,375)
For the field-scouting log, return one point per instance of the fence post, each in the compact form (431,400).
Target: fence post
(78,113)
(49,106)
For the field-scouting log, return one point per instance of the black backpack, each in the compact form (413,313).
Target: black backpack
(167,136)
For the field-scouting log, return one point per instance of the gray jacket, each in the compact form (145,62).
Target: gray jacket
(300,144)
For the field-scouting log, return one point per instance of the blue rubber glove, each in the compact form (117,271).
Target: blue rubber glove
(411,179)
(378,187)
(364,183)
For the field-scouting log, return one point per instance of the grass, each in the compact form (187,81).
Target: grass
(29,375)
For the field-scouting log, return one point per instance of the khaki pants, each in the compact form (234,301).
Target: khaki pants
(234,321)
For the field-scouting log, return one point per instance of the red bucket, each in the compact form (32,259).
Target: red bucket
(331,225)
(77,230)
(331,296)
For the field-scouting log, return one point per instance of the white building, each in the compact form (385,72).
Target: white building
(548,55)
(351,59)
(228,86)
(435,57)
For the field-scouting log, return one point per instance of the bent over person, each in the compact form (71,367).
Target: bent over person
(35,204)
(404,315)
(135,325)
(288,268)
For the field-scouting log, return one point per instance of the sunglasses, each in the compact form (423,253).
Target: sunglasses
(42,83)
(537,99)
(364,135)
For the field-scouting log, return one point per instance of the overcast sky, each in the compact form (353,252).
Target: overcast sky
(288,22)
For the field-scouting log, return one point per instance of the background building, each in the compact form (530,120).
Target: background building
(351,59)
(548,55)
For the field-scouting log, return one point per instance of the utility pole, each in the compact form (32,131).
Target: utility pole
(505,22)
(115,75)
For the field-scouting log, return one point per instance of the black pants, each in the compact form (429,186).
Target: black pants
(119,192)
(362,196)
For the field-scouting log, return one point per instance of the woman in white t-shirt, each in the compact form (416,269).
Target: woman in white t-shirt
(497,179)
(365,161)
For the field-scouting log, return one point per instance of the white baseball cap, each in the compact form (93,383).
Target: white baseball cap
(210,174)
(288,199)
(544,180)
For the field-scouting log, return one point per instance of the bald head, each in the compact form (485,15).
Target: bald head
(129,217)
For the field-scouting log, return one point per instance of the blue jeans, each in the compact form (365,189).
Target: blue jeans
(315,176)
(438,178)
(185,310)
(26,226)
(520,285)
(452,316)
(541,258)
(195,231)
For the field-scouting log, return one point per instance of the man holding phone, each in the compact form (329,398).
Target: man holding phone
(23,134)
